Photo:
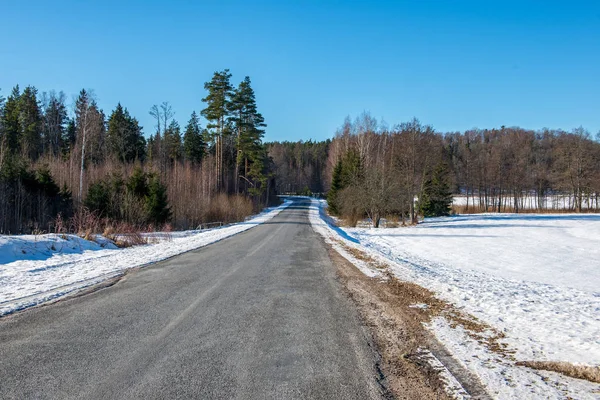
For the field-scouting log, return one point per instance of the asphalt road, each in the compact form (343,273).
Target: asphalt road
(257,316)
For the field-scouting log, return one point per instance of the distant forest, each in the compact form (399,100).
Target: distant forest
(78,168)
(371,170)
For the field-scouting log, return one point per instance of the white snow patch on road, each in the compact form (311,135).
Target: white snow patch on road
(38,268)
(536,278)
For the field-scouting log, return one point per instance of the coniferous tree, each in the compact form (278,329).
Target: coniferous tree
(336,187)
(10,121)
(69,137)
(437,196)
(193,142)
(172,141)
(55,120)
(217,112)
(124,136)
(157,204)
(248,124)
(30,120)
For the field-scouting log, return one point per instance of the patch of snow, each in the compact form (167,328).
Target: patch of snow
(335,236)
(452,386)
(36,269)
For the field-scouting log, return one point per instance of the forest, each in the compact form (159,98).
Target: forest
(408,171)
(76,168)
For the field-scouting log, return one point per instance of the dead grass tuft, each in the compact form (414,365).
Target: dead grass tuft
(585,372)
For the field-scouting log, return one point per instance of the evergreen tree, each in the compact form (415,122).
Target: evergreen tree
(30,120)
(137,184)
(157,204)
(436,200)
(172,141)
(69,137)
(248,124)
(336,187)
(124,136)
(98,198)
(193,142)
(346,172)
(217,112)
(10,121)
(55,120)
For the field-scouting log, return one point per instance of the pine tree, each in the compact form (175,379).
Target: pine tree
(193,142)
(217,112)
(436,199)
(248,124)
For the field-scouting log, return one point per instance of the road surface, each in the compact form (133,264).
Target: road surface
(259,315)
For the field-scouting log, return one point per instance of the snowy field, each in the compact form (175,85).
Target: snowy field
(536,278)
(36,269)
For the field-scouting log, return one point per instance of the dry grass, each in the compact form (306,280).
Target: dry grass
(476,209)
(474,328)
(585,372)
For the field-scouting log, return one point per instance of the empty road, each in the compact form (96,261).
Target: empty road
(259,315)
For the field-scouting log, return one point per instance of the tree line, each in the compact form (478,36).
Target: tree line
(410,170)
(69,160)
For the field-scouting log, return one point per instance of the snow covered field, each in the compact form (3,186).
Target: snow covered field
(535,278)
(35,269)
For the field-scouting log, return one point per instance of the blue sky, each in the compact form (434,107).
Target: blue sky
(452,64)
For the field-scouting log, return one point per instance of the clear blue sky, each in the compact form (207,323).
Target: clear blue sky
(452,64)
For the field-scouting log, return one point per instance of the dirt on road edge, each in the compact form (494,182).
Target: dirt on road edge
(397,326)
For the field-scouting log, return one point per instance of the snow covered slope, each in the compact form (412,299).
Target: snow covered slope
(35,269)
(535,278)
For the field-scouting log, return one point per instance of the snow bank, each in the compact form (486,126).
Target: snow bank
(35,269)
(536,278)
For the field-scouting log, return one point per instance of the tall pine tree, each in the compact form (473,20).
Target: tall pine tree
(217,112)
(248,125)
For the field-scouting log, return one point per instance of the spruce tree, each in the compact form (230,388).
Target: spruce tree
(55,120)
(30,120)
(436,200)
(124,136)
(157,203)
(336,186)
(10,121)
(193,142)
(172,141)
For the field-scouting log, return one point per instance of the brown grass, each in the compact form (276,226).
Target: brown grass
(474,328)
(476,209)
(585,372)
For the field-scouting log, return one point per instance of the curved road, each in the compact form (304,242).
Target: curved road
(257,316)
